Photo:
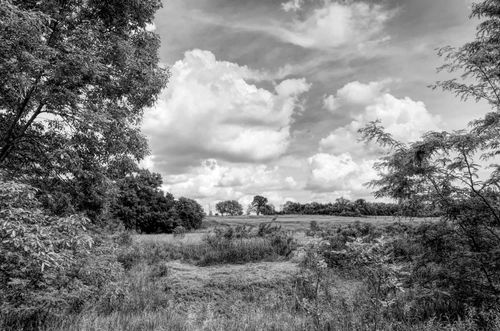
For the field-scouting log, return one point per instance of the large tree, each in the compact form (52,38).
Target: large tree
(76,77)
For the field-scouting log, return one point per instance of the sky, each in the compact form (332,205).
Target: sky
(266,96)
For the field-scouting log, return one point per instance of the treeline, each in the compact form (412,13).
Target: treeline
(341,207)
(359,207)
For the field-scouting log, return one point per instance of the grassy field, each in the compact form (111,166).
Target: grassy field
(296,223)
(301,222)
(222,278)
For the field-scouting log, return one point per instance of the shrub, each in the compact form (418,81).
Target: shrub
(179,231)
(49,265)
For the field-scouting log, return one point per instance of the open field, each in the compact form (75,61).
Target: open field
(301,222)
(296,223)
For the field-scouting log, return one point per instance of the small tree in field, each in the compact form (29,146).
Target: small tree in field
(461,255)
(259,204)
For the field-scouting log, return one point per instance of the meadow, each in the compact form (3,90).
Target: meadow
(253,273)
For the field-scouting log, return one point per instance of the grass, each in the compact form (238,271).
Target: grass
(299,223)
(253,296)
(239,278)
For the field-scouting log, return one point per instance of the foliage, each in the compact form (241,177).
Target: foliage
(449,170)
(259,205)
(141,204)
(49,265)
(399,283)
(188,213)
(229,207)
(359,207)
(76,76)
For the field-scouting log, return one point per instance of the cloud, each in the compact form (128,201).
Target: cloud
(210,110)
(292,5)
(339,173)
(355,93)
(404,118)
(344,164)
(212,181)
(335,24)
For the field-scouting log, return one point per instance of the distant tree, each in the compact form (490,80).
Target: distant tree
(292,208)
(229,207)
(268,210)
(76,78)
(259,204)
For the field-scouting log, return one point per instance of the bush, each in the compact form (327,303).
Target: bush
(49,265)
(179,231)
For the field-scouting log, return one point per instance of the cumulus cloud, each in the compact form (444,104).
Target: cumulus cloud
(404,118)
(344,164)
(211,181)
(210,110)
(355,93)
(335,24)
(339,173)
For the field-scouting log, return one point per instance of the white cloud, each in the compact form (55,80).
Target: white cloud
(339,173)
(211,110)
(335,24)
(212,181)
(292,5)
(404,118)
(355,93)
(344,163)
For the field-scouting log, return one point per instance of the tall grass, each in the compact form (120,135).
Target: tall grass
(154,295)
(228,245)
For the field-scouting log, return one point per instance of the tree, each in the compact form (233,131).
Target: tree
(446,170)
(141,204)
(229,207)
(268,209)
(76,77)
(259,204)
(189,213)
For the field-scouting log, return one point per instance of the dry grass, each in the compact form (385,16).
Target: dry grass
(187,239)
(301,222)
(162,293)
